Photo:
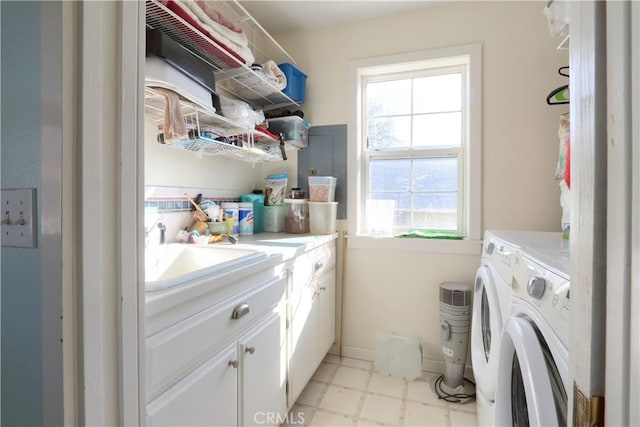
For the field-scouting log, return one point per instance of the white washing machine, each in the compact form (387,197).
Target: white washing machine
(533,375)
(491,306)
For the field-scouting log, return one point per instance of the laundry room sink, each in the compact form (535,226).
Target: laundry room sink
(173,264)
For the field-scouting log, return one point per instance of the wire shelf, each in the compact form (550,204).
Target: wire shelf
(212,147)
(195,116)
(257,90)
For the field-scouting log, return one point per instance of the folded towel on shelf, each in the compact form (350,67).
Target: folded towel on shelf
(274,74)
(192,13)
(174,127)
(238,37)
(219,17)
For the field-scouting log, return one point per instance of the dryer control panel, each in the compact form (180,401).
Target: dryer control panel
(547,291)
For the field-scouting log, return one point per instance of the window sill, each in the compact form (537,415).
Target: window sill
(442,246)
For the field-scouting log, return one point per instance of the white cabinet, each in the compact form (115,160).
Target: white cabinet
(224,365)
(239,355)
(263,371)
(207,396)
(242,384)
(312,315)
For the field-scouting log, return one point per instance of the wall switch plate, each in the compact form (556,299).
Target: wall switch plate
(18,217)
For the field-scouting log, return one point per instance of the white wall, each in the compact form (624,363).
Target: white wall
(170,167)
(387,290)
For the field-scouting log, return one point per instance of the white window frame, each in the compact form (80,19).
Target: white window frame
(470,56)
(413,153)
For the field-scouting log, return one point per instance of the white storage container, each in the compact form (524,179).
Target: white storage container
(322,217)
(322,188)
(274,218)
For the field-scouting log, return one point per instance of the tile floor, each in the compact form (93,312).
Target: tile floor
(348,392)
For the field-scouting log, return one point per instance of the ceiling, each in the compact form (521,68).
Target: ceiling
(283,16)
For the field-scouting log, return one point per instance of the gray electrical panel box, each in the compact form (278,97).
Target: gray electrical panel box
(326,155)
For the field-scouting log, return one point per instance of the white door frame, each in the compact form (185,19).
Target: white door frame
(622,372)
(110,199)
(587,58)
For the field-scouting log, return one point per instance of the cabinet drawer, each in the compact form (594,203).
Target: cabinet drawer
(312,265)
(166,356)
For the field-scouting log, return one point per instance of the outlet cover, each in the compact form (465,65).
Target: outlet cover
(18,217)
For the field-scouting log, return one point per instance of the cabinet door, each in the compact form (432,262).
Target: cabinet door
(206,396)
(326,287)
(303,342)
(264,373)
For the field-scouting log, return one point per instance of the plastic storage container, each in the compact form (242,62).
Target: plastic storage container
(294,129)
(245,215)
(322,217)
(296,216)
(274,218)
(296,82)
(258,210)
(322,188)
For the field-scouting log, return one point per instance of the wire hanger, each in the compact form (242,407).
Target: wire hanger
(562,69)
(560,95)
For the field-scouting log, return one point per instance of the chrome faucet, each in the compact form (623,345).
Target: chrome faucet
(161,226)
(163,229)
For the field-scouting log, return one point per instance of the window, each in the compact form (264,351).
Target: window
(419,141)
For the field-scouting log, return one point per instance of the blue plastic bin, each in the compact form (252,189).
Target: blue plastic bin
(296,82)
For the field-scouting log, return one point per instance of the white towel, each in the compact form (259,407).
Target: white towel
(174,127)
(274,74)
(220,32)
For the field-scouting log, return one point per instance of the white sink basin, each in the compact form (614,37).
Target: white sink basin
(173,264)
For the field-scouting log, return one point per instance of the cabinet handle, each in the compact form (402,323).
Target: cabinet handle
(323,288)
(318,266)
(240,311)
(250,350)
(233,363)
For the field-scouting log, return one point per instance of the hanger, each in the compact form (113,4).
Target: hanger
(562,69)
(560,95)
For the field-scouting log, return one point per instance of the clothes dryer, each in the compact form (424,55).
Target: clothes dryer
(533,375)
(492,302)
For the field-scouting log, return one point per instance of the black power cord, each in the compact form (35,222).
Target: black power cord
(461,398)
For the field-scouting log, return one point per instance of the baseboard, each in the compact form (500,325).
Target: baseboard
(428,365)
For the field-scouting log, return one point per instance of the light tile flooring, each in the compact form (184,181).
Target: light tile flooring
(348,392)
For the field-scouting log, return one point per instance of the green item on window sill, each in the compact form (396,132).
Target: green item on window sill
(430,234)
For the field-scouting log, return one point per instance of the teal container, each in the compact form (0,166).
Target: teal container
(258,210)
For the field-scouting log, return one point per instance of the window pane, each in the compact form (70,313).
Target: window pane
(389,132)
(433,130)
(389,98)
(388,175)
(435,174)
(435,211)
(402,214)
(437,93)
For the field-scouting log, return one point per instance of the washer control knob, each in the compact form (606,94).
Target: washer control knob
(489,248)
(536,286)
